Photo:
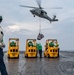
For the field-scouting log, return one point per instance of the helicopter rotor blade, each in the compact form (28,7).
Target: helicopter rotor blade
(27,6)
(56,8)
(39,3)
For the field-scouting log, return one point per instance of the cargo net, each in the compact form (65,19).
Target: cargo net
(40,35)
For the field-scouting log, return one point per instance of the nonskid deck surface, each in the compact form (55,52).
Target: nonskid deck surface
(64,65)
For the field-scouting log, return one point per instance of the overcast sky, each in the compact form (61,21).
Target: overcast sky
(19,22)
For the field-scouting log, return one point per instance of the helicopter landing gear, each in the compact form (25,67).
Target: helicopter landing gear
(34,15)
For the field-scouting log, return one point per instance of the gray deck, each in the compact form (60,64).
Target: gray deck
(45,66)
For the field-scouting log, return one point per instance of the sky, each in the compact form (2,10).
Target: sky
(18,22)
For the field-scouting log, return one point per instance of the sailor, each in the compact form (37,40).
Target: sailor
(40,50)
(2,45)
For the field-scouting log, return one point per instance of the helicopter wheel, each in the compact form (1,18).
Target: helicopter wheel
(34,15)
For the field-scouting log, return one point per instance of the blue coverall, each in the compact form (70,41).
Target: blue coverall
(2,65)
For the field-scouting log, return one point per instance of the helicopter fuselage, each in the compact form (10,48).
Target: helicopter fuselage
(39,12)
(43,14)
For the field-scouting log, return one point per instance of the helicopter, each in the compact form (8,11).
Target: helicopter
(38,11)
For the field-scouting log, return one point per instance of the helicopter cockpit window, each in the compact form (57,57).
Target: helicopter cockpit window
(45,12)
(42,12)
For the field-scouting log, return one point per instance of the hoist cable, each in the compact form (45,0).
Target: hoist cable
(39,25)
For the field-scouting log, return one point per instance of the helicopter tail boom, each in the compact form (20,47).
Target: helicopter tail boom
(53,19)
